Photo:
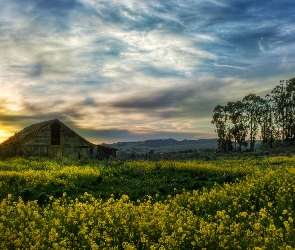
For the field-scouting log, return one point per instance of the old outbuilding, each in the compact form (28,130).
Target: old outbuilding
(52,139)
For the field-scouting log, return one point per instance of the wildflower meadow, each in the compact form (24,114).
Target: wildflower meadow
(230,203)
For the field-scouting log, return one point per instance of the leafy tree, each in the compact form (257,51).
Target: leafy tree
(267,121)
(242,131)
(252,113)
(283,96)
(275,115)
(290,119)
(236,116)
(220,118)
(279,96)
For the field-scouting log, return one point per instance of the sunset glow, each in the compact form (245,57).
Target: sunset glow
(4,135)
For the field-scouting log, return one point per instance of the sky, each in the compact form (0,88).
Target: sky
(132,70)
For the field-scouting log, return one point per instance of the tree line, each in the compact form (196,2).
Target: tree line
(270,119)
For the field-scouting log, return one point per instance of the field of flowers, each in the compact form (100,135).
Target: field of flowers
(238,203)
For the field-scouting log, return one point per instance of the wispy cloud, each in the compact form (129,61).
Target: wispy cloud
(229,66)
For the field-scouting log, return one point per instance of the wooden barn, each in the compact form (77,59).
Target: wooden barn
(52,139)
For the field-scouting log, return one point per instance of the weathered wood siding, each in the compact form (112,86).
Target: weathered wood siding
(40,145)
(52,139)
(7,151)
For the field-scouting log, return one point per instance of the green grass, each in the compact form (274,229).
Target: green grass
(34,179)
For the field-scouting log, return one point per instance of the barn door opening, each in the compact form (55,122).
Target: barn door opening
(55,134)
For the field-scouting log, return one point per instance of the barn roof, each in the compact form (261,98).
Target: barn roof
(33,129)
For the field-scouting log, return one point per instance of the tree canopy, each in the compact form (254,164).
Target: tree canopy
(270,119)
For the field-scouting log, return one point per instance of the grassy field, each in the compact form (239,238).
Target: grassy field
(235,203)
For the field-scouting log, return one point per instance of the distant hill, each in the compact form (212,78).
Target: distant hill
(163,145)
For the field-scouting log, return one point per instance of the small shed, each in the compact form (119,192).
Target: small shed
(52,139)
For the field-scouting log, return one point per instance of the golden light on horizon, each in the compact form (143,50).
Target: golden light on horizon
(4,135)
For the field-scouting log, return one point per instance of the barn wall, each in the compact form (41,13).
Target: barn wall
(103,152)
(7,151)
(40,145)
(70,143)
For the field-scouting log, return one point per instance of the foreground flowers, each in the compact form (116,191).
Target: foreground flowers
(254,213)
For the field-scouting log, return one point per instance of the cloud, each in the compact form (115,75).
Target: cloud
(139,68)
(229,66)
(110,48)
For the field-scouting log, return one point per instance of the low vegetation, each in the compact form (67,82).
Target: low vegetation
(235,203)
(35,179)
